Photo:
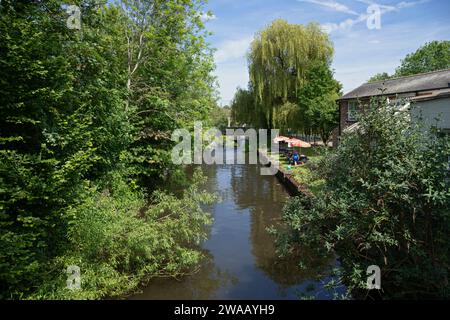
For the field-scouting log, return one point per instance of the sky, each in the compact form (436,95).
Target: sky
(362,47)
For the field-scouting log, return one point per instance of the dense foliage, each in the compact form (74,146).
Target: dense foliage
(380,77)
(220,117)
(85,120)
(119,240)
(317,101)
(385,202)
(279,57)
(433,56)
(291,84)
(245,110)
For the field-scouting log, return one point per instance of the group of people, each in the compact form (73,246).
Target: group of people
(295,159)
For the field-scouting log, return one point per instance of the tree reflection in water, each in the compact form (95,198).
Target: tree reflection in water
(201,285)
(266,204)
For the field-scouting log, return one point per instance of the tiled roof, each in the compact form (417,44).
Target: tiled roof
(420,82)
(437,94)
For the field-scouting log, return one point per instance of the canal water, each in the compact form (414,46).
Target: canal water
(241,261)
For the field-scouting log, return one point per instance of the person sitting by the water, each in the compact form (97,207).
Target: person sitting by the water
(296,159)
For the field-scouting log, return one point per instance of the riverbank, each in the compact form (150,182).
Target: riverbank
(299,180)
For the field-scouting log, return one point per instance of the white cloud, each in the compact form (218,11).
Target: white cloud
(396,7)
(230,77)
(405,4)
(344,25)
(349,23)
(233,49)
(333,5)
(231,68)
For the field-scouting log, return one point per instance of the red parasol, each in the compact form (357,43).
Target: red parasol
(299,143)
(281,139)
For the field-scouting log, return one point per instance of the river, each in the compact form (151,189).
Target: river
(241,262)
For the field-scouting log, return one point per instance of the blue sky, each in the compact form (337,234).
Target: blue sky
(359,51)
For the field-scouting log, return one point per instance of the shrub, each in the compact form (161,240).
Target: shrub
(386,202)
(118,240)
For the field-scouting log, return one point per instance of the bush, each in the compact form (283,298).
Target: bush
(118,241)
(386,202)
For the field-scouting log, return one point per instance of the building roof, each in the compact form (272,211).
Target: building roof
(437,94)
(417,83)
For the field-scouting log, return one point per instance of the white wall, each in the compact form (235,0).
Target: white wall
(431,110)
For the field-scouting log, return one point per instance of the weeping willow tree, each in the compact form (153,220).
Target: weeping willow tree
(279,59)
(245,110)
(288,116)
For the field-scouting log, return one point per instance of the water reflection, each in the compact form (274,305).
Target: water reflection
(241,260)
(200,285)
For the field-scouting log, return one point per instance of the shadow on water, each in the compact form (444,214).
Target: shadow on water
(241,261)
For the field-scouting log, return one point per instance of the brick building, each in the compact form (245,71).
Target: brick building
(429,92)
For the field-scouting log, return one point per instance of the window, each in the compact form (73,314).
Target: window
(352,113)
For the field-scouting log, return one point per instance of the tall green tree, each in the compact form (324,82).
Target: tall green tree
(279,58)
(319,112)
(85,117)
(432,56)
(62,125)
(245,110)
(169,83)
